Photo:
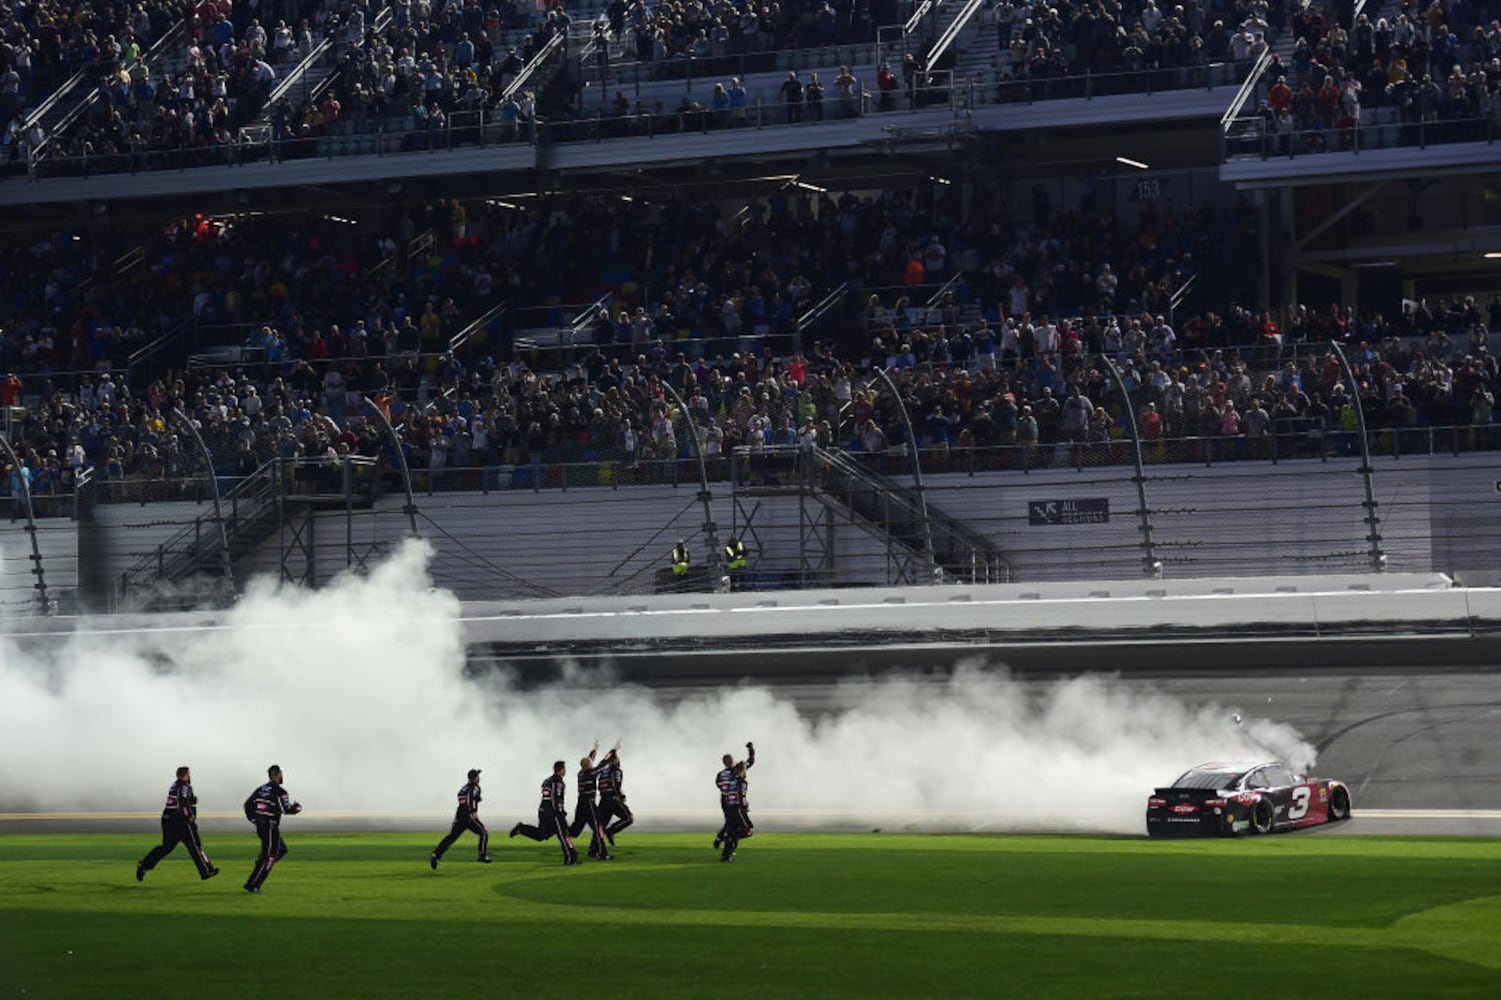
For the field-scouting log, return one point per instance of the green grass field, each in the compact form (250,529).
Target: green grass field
(795,915)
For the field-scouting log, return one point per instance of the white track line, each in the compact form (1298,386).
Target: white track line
(1440,815)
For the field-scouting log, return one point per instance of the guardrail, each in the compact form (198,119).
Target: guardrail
(952,32)
(1257,137)
(481,128)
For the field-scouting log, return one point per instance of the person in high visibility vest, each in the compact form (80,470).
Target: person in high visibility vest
(734,560)
(680,559)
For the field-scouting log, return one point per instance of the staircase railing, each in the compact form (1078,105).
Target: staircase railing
(250,517)
(816,313)
(176,35)
(951,33)
(463,337)
(146,352)
(958,549)
(554,45)
(55,98)
(1247,88)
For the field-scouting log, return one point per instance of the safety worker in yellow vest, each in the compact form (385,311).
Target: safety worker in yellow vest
(734,560)
(680,562)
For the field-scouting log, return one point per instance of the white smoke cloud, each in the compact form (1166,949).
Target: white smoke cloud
(359,692)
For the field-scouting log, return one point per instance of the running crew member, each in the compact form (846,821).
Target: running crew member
(733,786)
(612,796)
(585,812)
(466,817)
(552,815)
(265,808)
(179,826)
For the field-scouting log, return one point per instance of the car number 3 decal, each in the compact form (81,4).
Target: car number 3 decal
(1299,807)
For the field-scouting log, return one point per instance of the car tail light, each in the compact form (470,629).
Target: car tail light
(1156,802)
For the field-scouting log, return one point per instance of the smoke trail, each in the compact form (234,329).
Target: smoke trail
(358,691)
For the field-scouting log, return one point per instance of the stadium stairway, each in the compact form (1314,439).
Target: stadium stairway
(81,92)
(639,83)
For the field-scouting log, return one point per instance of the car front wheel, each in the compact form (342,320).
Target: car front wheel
(1339,805)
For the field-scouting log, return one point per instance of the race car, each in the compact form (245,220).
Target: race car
(1228,799)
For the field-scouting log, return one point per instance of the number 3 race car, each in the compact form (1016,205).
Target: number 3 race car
(1227,799)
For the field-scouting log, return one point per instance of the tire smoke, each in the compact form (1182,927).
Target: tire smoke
(359,691)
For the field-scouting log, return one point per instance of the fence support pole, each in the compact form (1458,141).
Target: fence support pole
(1373,523)
(1151,566)
(401,460)
(718,571)
(935,574)
(43,605)
(213,480)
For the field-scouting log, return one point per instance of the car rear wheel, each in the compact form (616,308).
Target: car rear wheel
(1261,816)
(1339,805)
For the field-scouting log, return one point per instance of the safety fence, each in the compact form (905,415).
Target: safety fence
(1298,501)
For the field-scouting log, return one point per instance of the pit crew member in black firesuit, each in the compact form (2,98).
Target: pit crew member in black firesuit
(466,817)
(612,796)
(585,811)
(552,814)
(733,786)
(179,826)
(265,808)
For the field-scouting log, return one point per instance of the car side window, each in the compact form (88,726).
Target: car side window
(1257,779)
(1281,776)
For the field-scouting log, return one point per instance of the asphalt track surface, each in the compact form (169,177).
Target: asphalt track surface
(1410,726)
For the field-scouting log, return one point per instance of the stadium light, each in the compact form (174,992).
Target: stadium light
(1132,163)
(1493,255)
(941,180)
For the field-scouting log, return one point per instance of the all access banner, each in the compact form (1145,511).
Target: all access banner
(1095,510)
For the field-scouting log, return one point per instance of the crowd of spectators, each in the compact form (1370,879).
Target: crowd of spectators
(709,29)
(196,96)
(43,43)
(1029,399)
(336,311)
(1044,42)
(433,62)
(1431,62)
(429,64)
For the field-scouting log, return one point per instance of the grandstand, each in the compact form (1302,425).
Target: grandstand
(384,267)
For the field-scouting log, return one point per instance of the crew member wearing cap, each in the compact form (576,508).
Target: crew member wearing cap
(466,817)
(179,826)
(265,807)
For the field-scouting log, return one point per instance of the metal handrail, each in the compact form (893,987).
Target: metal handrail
(40,111)
(822,306)
(1176,299)
(910,25)
(948,286)
(173,35)
(299,71)
(383,20)
(155,346)
(952,32)
(554,43)
(1247,88)
(463,337)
